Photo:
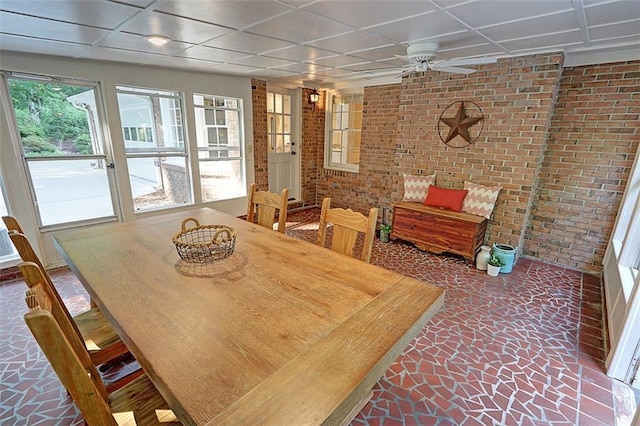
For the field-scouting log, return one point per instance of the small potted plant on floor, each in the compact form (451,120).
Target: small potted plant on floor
(385,231)
(493,265)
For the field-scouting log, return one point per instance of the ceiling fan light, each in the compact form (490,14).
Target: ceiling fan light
(157,40)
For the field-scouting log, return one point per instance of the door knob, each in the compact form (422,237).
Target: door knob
(293,153)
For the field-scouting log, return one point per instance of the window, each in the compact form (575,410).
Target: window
(220,146)
(344,127)
(157,160)
(59,126)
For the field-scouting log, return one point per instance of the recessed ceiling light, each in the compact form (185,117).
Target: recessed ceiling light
(157,40)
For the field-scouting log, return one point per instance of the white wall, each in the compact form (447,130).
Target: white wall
(109,75)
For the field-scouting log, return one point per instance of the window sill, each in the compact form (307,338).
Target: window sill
(355,169)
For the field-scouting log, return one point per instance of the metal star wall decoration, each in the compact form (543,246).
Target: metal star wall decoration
(460,123)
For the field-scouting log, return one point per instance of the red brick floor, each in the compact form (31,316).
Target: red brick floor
(524,348)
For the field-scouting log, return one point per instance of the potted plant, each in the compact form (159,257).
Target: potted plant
(385,231)
(493,265)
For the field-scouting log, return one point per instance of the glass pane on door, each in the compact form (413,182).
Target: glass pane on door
(62,146)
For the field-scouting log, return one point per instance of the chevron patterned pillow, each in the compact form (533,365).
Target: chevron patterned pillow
(416,187)
(480,200)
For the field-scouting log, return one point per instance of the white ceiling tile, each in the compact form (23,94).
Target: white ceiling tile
(339,60)
(350,42)
(300,53)
(607,32)
(381,53)
(303,68)
(43,28)
(11,43)
(262,61)
(235,69)
(127,41)
(491,12)
(368,67)
(613,12)
(212,54)
(360,15)
(234,14)
(272,73)
(189,63)
(565,21)
(245,42)
(138,3)
(430,25)
(99,13)
(548,41)
(176,28)
(298,27)
(471,51)
(119,55)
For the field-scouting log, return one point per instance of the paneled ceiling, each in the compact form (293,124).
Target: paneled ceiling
(322,41)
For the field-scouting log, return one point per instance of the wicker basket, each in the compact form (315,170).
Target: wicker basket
(204,243)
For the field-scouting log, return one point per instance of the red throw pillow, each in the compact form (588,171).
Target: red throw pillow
(445,198)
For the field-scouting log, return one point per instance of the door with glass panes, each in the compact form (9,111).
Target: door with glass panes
(283,141)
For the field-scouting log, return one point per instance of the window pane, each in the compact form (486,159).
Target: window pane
(54,118)
(221,180)
(159,182)
(270,102)
(71,190)
(157,117)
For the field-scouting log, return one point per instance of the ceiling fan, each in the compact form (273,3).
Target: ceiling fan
(421,58)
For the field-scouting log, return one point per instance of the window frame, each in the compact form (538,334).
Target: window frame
(179,152)
(626,232)
(219,148)
(329,131)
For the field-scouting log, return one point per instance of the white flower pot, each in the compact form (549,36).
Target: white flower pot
(493,270)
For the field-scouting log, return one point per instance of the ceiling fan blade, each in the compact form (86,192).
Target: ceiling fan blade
(405,73)
(456,70)
(469,61)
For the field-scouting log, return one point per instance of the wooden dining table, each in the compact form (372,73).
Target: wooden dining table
(281,332)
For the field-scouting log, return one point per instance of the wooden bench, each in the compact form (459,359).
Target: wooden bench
(437,230)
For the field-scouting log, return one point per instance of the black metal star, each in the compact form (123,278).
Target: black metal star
(459,124)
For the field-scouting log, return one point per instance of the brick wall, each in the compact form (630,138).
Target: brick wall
(373,185)
(260,158)
(594,136)
(312,152)
(400,135)
(559,142)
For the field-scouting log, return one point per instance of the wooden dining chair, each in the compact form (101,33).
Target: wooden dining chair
(136,402)
(264,204)
(346,226)
(101,340)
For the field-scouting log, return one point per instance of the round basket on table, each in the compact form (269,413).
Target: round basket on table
(204,243)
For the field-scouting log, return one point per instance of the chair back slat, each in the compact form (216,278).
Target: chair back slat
(72,365)
(26,252)
(346,225)
(265,204)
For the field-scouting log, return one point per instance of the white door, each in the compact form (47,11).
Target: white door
(283,141)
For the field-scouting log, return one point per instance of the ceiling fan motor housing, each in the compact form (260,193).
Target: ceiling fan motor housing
(422,52)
